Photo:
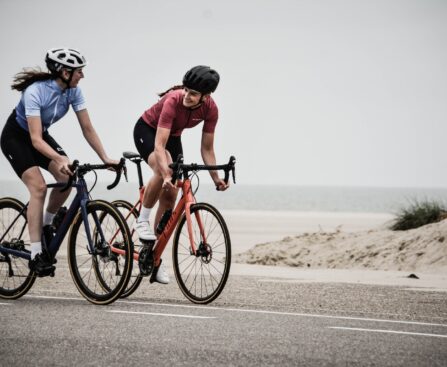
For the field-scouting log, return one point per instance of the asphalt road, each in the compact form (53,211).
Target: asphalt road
(255,322)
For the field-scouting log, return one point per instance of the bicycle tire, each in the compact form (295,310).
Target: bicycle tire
(15,285)
(202,278)
(100,276)
(135,279)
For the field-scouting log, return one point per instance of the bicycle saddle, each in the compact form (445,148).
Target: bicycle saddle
(130,155)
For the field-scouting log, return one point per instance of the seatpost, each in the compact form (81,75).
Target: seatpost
(140,174)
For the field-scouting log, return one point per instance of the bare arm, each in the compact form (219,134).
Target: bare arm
(209,157)
(92,137)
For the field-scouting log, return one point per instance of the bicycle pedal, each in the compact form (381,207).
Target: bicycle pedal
(46,272)
(153,277)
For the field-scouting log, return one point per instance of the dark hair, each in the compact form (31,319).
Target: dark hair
(172,88)
(28,76)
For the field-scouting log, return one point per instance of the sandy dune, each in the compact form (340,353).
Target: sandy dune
(422,249)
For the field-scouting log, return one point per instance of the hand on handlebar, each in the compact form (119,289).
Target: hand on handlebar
(63,165)
(111,162)
(221,185)
(167,183)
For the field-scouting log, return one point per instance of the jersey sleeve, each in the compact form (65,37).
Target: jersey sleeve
(32,101)
(78,100)
(209,126)
(167,114)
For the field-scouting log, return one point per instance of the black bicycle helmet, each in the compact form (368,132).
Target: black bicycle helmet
(202,79)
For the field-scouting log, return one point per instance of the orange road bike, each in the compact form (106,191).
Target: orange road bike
(201,251)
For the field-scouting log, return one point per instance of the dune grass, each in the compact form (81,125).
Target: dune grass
(419,214)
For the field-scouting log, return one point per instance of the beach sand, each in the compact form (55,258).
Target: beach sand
(337,247)
(250,228)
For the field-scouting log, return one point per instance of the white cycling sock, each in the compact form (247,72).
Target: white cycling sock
(144,214)
(36,248)
(48,218)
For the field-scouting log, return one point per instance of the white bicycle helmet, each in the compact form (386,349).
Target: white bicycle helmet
(58,58)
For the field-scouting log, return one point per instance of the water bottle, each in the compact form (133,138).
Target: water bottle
(164,219)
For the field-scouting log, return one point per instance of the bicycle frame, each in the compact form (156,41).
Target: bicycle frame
(183,205)
(79,201)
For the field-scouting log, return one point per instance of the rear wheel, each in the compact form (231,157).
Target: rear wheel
(97,271)
(202,276)
(15,276)
(131,214)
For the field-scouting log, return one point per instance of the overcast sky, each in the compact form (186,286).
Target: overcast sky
(312,92)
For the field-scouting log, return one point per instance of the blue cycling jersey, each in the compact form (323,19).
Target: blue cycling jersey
(49,101)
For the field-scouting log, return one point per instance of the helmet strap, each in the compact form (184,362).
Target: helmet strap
(67,81)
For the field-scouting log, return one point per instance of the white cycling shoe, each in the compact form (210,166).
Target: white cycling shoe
(144,231)
(162,277)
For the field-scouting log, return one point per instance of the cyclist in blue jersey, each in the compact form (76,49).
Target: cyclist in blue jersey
(26,143)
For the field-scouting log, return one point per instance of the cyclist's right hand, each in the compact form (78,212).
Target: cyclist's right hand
(167,183)
(63,165)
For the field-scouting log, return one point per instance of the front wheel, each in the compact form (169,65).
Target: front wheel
(97,271)
(201,276)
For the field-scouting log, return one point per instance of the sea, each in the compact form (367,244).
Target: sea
(276,198)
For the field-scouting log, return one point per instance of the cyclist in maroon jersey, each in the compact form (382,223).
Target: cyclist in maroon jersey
(157,136)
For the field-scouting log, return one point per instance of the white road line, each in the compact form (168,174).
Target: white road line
(387,331)
(285,313)
(255,311)
(161,314)
(56,297)
(5,304)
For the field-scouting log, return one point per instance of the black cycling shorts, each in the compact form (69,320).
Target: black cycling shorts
(144,137)
(18,149)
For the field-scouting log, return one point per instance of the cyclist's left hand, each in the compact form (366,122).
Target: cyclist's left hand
(111,161)
(221,185)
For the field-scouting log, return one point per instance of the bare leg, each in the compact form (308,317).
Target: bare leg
(153,190)
(57,198)
(37,188)
(165,202)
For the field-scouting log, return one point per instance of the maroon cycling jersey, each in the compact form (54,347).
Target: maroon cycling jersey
(170,113)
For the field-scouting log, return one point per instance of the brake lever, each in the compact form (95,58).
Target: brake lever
(73,168)
(119,170)
(176,167)
(229,167)
(232,164)
(125,172)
